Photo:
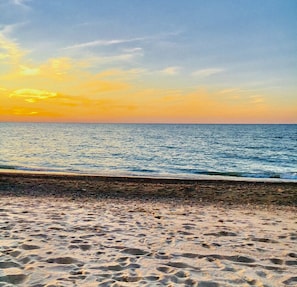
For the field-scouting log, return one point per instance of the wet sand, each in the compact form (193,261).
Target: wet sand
(100,231)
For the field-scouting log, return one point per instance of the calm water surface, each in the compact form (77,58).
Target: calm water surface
(152,150)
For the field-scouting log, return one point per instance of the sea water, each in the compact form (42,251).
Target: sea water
(152,150)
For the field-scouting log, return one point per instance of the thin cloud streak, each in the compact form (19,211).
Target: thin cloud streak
(102,43)
(207,72)
(10,49)
(20,3)
(171,71)
(8,29)
(115,58)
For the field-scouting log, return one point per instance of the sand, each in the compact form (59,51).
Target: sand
(58,231)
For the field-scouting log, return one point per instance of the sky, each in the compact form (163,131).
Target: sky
(148,61)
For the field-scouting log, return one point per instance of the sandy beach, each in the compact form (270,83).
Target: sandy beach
(58,230)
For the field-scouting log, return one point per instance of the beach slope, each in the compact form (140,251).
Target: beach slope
(58,230)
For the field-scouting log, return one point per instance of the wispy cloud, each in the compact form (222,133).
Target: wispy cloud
(102,43)
(207,72)
(110,42)
(244,95)
(32,95)
(20,3)
(8,29)
(28,71)
(9,49)
(114,58)
(126,55)
(171,71)
(229,91)
(256,99)
(134,50)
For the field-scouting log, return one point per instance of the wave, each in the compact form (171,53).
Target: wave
(173,173)
(262,175)
(7,167)
(35,169)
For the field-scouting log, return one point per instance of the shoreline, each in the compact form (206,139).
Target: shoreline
(225,192)
(212,176)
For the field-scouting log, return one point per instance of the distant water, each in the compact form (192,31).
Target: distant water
(152,150)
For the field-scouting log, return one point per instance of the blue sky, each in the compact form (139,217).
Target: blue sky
(244,45)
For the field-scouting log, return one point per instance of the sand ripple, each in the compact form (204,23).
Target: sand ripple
(49,243)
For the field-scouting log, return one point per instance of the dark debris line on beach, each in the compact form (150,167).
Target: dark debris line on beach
(192,191)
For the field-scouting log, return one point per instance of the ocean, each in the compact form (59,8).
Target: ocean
(187,151)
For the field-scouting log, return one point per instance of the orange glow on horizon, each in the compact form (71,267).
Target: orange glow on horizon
(33,105)
(66,90)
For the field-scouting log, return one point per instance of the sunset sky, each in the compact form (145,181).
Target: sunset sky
(164,61)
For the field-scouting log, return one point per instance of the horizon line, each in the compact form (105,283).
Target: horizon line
(144,123)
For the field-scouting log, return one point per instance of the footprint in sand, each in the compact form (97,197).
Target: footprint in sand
(180,265)
(221,233)
(276,261)
(12,276)
(29,247)
(135,251)
(9,264)
(163,255)
(293,255)
(85,247)
(240,259)
(291,262)
(62,260)
(189,255)
(165,269)
(291,281)
(208,284)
